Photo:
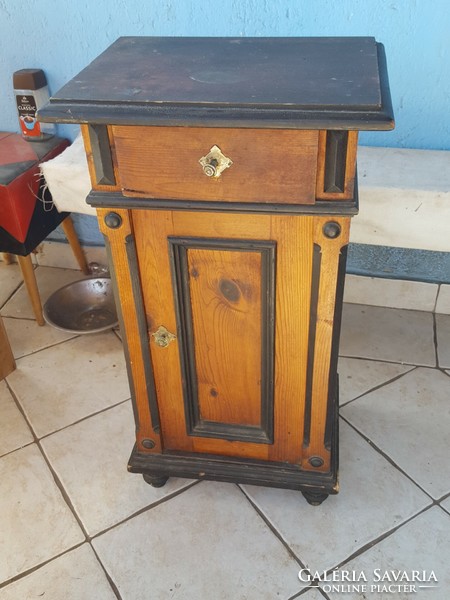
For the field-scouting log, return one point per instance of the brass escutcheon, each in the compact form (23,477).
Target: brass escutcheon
(215,162)
(163,337)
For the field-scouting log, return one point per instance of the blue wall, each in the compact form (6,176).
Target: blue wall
(62,37)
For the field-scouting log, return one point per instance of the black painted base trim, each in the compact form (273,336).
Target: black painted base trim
(321,207)
(231,470)
(316,485)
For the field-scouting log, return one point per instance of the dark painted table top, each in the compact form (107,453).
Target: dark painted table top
(229,79)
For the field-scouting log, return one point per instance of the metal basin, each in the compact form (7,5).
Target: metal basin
(85,306)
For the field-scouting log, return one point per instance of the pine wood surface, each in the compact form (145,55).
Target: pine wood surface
(117,241)
(225,289)
(268,165)
(29,278)
(294,257)
(90,162)
(330,251)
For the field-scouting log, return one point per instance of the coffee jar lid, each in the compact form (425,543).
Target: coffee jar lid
(29,79)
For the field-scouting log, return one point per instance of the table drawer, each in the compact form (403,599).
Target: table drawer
(268,165)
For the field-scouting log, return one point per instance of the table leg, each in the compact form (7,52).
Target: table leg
(29,277)
(7,362)
(72,238)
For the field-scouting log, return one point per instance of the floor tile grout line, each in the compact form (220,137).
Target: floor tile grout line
(22,412)
(377,387)
(66,498)
(435,501)
(17,290)
(397,308)
(323,593)
(107,575)
(35,568)
(274,529)
(435,340)
(74,337)
(377,360)
(116,333)
(31,319)
(437,298)
(442,369)
(380,360)
(444,497)
(379,539)
(85,418)
(37,438)
(308,589)
(387,457)
(24,415)
(63,491)
(145,509)
(358,552)
(303,592)
(61,487)
(389,362)
(21,283)
(17,449)
(56,478)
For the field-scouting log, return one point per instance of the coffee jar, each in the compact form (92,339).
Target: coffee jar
(31,92)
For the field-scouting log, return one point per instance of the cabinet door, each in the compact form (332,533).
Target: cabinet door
(228,306)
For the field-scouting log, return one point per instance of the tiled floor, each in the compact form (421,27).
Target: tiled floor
(75,525)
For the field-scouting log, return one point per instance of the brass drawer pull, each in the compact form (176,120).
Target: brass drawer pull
(215,162)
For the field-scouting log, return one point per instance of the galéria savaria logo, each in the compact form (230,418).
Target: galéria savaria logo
(377,581)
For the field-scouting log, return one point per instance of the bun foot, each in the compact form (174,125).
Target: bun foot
(156,481)
(315,498)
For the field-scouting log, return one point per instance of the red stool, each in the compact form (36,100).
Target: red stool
(27,214)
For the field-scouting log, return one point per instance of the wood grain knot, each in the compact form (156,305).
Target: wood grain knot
(213,392)
(229,290)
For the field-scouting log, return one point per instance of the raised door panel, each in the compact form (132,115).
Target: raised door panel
(235,293)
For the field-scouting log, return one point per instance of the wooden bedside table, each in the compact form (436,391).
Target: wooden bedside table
(223,172)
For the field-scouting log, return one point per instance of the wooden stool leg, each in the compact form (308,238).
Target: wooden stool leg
(8,258)
(72,238)
(7,362)
(26,266)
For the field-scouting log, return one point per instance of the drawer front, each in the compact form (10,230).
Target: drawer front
(268,165)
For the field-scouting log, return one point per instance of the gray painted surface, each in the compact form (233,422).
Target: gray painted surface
(87,229)
(399,263)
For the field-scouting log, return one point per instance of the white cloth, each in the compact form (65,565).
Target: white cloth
(67,177)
